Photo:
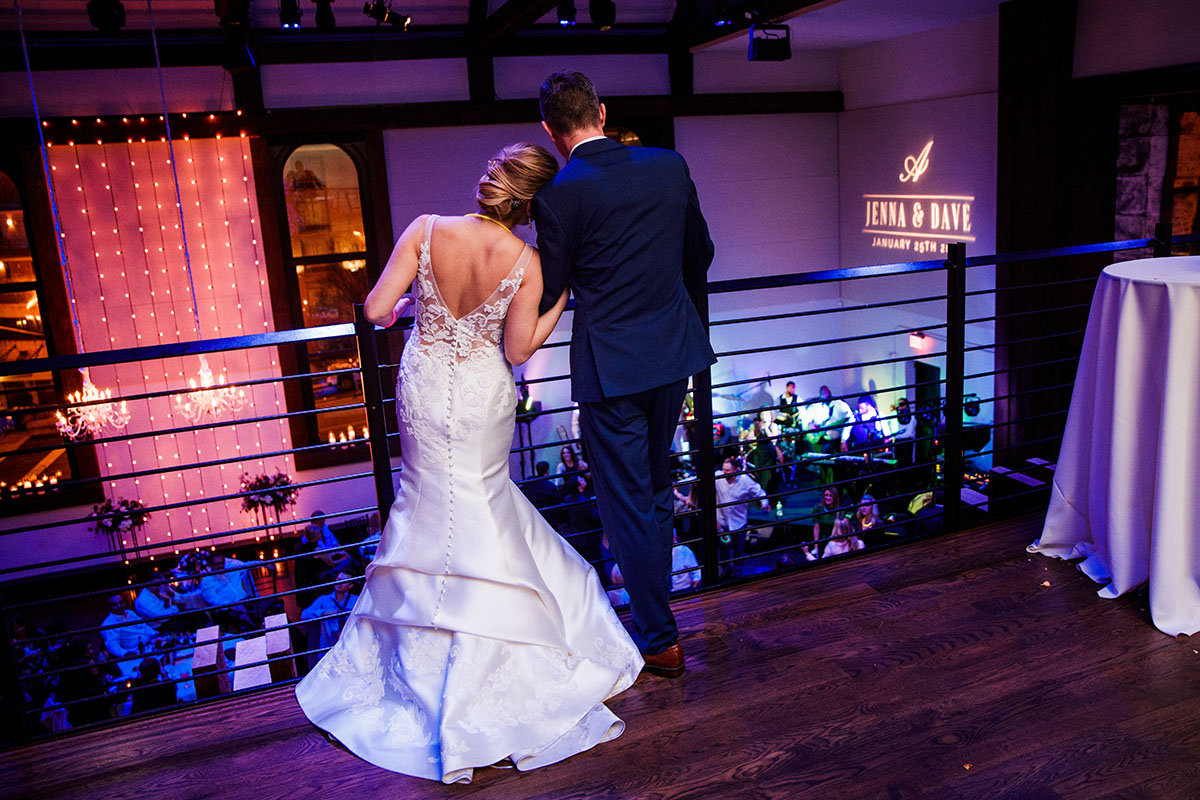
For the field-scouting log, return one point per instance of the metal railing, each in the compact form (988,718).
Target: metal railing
(53,667)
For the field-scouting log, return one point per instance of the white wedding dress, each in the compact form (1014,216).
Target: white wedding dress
(480,635)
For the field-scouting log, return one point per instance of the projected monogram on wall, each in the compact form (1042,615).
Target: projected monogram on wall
(917,223)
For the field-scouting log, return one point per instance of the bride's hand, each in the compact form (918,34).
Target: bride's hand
(402,305)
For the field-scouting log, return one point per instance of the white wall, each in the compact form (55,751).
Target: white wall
(65,93)
(725,70)
(1114,36)
(937,86)
(768,187)
(954,60)
(646,74)
(365,83)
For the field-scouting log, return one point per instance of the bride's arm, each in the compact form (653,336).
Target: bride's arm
(385,302)
(524,330)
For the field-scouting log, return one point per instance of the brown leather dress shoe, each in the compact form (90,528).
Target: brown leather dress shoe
(667,664)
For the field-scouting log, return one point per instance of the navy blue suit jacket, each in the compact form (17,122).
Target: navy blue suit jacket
(622,226)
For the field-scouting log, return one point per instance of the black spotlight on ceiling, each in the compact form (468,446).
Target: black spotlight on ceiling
(289,14)
(383,15)
(769,43)
(325,20)
(603,13)
(107,16)
(566,12)
(234,16)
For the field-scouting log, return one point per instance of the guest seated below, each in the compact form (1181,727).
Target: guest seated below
(569,462)
(544,494)
(82,688)
(616,592)
(324,533)
(583,520)
(148,691)
(129,639)
(229,590)
(866,517)
(734,493)
(156,605)
(331,610)
(843,541)
(311,568)
(685,569)
(824,514)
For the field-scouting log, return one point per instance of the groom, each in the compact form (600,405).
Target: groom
(622,227)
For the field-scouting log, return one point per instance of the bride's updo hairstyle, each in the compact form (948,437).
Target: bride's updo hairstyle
(513,177)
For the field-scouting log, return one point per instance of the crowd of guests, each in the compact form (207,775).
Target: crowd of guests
(88,679)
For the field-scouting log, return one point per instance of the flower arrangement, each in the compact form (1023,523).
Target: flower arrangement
(118,519)
(261,492)
(127,515)
(268,491)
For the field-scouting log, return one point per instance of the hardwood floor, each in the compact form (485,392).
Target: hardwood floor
(942,669)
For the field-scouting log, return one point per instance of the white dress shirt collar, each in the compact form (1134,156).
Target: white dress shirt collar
(585,141)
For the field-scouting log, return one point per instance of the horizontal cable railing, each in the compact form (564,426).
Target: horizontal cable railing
(915,411)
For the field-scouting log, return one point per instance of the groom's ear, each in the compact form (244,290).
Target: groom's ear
(603,114)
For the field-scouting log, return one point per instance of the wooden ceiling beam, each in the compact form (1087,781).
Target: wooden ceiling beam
(511,18)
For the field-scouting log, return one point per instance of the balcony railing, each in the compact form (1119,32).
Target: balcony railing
(986,408)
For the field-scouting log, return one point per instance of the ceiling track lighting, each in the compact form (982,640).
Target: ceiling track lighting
(769,43)
(289,14)
(325,20)
(106,16)
(566,12)
(383,14)
(603,13)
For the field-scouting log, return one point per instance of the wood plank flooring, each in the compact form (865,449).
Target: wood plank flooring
(941,669)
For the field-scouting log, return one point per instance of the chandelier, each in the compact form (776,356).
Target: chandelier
(203,401)
(87,415)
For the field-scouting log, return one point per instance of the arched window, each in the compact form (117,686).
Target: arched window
(22,337)
(325,267)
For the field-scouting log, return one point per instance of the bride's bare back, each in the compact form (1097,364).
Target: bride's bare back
(469,257)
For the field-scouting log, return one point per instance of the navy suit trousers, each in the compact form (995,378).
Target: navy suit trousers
(629,443)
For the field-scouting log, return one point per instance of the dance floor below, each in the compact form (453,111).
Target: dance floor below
(958,667)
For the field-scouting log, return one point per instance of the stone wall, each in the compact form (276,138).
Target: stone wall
(1185,188)
(1141,172)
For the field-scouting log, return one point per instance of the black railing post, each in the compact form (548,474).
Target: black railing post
(956,320)
(1162,240)
(368,363)
(706,466)
(12,701)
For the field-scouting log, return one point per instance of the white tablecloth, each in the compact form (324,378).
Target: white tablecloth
(1126,495)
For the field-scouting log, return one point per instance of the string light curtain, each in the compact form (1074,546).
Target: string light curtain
(122,235)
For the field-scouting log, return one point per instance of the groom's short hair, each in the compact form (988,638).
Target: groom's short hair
(568,102)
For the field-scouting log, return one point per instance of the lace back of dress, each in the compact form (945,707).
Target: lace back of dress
(478,333)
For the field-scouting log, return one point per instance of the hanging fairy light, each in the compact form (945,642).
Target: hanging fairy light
(88,414)
(204,401)
(85,415)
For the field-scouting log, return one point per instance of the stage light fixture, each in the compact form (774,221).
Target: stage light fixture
(724,16)
(603,13)
(769,43)
(384,15)
(107,16)
(566,12)
(325,20)
(289,13)
(234,16)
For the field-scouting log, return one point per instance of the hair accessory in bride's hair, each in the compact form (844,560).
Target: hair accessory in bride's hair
(517,202)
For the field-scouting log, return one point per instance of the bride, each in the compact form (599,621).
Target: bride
(480,636)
